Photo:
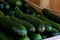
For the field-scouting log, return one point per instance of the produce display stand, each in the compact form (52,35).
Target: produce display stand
(38,8)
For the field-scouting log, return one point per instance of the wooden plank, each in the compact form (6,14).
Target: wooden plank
(38,8)
(35,2)
(55,7)
(44,3)
(55,4)
(34,6)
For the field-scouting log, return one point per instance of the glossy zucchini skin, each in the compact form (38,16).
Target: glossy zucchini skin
(10,12)
(35,36)
(12,27)
(28,25)
(24,38)
(47,24)
(54,24)
(51,16)
(50,30)
(55,32)
(11,1)
(33,20)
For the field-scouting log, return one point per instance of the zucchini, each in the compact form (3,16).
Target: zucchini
(33,11)
(33,20)
(24,6)
(10,12)
(14,3)
(24,38)
(1,14)
(50,30)
(1,6)
(18,3)
(47,24)
(12,27)
(3,36)
(44,36)
(6,5)
(11,1)
(51,16)
(28,25)
(55,32)
(35,36)
(55,25)
(30,11)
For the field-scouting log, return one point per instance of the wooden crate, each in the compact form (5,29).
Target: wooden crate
(52,5)
(55,7)
(35,2)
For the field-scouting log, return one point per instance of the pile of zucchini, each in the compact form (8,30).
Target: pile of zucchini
(18,21)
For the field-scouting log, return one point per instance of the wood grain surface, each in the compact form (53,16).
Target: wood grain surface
(35,1)
(38,8)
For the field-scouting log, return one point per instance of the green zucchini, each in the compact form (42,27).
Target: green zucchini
(10,12)
(55,25)
(35,36)
(51,31)
(47,24)
(24,38)
(6,5)
(33,20)
(18,3)
(11,1)
(30,11)
(55,32)
(28,25)
(12,27)
(51,16)
(1,6)
(15,2)
(1,14)
(44,36)
(3,36)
